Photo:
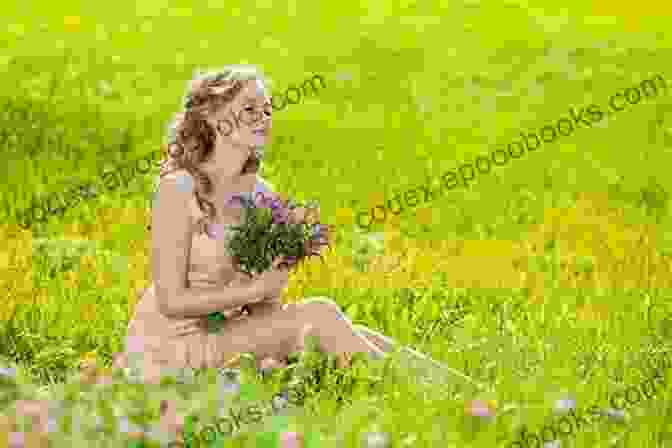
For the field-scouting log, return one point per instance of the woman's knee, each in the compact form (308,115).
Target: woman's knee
(320,308)
(320,302)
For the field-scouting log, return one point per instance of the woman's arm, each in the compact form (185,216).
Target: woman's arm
(171,239)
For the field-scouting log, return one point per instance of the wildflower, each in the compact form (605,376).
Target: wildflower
(8,372)
(481,408)
(52,425)
(72,22)
(238,200)
(617,415)
(227,385)
(267,200)
(17,440)
(280,215)
(280,401)
(134,431)
(564,405)
(376,440)
(291,440)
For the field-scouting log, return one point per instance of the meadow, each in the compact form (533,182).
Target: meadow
(561,256)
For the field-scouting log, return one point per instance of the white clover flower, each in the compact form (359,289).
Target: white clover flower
(127,426)
(279,402)
(53,426)
(376,440)
(227,386)
(10,372)
(564,405)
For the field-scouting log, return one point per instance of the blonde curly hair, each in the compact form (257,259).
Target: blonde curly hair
(191,139)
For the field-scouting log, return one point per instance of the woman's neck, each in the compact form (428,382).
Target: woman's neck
(225,186)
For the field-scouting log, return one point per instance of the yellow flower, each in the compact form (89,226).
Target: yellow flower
(593,312)
(72,22)
(424,263)
(424,216)
(344,216)
(90,356)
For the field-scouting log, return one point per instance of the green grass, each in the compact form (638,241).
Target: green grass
(430,86)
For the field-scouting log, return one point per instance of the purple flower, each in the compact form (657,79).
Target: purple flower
(280,215)
(237,198)
(266,201)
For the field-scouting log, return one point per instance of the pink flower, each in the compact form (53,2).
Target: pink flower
(481,408)
(291,440)
(267,200)
(17,440)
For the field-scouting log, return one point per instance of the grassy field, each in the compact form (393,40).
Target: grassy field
(564,255)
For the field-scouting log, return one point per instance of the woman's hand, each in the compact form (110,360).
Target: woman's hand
(270,284)
(304,214)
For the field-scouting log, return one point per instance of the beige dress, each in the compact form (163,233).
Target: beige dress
(156,343)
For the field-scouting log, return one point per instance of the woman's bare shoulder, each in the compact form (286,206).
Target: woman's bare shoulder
(175,182)
(176,188)
(175,173)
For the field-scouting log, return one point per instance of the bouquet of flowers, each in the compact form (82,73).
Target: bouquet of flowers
(272,228)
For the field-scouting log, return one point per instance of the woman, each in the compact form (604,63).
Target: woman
(208,162)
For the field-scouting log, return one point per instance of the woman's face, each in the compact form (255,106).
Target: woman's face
(241,126)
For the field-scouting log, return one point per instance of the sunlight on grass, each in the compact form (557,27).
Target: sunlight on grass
(530,300)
